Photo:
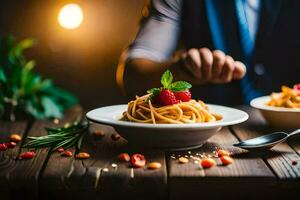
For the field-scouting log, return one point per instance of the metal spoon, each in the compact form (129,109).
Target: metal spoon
(266,141)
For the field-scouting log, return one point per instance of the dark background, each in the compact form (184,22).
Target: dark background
(83,60)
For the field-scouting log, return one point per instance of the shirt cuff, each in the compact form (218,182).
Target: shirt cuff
(146,54)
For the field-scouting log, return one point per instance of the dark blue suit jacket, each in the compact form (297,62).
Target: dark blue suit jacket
(276,53)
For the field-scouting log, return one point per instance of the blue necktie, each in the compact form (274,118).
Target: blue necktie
(247,43)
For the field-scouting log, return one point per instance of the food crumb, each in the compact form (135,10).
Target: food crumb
(98,133)
(294,162)
(67,125)
(55,121)
(115,137)
(83,155)
(114,165)
(15,137)
(154,165)
(105,169)
(183,160)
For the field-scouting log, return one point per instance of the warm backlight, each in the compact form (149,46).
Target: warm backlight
(70,16)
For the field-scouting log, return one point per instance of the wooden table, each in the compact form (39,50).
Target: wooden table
(51,176)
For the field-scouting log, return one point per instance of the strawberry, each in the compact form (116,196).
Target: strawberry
(297,87)
(171,92)
(166,97)
(183,96)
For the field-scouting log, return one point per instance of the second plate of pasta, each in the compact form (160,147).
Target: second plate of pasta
(178,135)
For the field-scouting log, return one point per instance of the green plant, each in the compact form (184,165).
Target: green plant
(22,90)
(66,137)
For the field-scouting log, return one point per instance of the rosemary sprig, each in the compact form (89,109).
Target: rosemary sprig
(66,137)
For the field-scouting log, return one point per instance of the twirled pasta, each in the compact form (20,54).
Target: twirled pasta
(142,111)
(288,98)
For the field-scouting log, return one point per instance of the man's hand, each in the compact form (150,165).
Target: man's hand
(212,66)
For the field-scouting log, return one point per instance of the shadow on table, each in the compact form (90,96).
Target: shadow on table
(259,154)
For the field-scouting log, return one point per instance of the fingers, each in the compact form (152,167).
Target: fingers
(193,62)
(228,69)
(239,70)
(213,66)
(218,63)
(207,62)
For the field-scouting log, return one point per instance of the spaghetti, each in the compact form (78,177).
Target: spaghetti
(142,110)
(287,98)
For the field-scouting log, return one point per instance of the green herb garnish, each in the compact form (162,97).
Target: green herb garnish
(66,137)
(22,90)
(166,81)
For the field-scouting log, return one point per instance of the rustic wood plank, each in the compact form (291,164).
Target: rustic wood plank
(8,158)
(97,176)
(24,177)
(294,142)
(58,167)
(190,180)
(279,157)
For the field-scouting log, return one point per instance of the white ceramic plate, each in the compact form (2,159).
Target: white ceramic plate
(174,136)
(277,116)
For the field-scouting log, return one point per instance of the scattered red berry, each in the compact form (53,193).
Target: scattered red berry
(297,87)
(222,152)
(67,153)
(226,160)
(183,96)
(124,157)
(166,97)
(138,160)
(60,149)
(10,145)
(208,163)
(27,155)
(3,147)
(294,162)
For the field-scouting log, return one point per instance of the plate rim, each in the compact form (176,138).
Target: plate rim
(258,103)
(207,125)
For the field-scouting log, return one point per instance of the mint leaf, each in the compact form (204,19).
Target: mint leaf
(180,86)
(166,79)
(153,92)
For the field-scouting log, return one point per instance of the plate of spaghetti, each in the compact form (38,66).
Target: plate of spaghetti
(167,117)
(280,109)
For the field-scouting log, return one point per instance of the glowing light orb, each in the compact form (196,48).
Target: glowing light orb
(70,16)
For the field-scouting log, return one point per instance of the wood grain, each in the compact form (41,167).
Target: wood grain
(280,158)
(25,176)
(8,158)
(190,180)
(58,166)
(97,176)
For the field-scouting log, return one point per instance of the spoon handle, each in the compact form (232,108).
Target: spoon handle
(294,133)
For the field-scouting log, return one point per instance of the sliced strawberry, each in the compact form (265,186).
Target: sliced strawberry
(138,160)
(183,96)
(166,97)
